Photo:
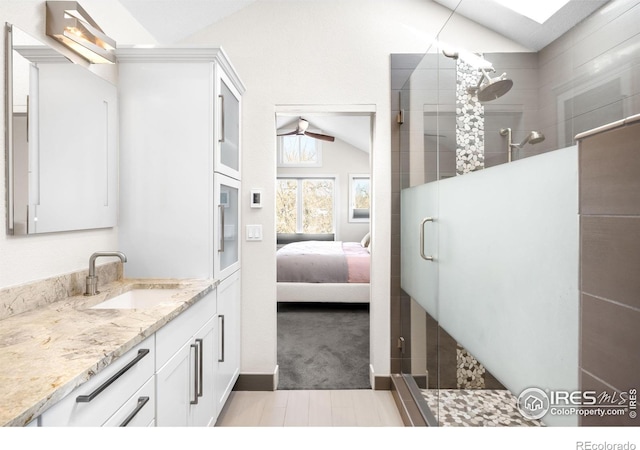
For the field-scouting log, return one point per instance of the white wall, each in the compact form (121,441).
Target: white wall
(320,53)
(28,258)
(340,160)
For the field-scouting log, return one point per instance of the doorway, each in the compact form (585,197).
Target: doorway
(323,224)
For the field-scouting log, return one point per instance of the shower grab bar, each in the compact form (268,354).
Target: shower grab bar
(425,220)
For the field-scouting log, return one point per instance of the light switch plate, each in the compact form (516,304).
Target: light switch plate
(254,232)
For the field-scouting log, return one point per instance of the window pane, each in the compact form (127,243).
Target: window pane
(361,194)
(286,206)
(299,150)
(360,199)
(317,216)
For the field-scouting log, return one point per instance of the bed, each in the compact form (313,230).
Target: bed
(324,271)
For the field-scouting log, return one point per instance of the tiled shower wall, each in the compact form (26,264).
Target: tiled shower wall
(610,264)
(590,76)
(402,66)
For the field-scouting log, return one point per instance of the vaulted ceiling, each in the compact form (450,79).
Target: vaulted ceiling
(170,21)
(190,16)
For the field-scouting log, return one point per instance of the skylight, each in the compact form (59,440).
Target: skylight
(539,10)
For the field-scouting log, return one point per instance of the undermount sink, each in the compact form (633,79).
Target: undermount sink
(138,299)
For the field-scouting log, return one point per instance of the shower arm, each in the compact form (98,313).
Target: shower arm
(482,78)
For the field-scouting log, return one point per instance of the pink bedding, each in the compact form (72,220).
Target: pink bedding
(358,262)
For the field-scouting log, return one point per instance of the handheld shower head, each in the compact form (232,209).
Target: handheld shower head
(491,88)
(534,137)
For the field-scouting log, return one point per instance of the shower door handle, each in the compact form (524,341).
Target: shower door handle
(424,221)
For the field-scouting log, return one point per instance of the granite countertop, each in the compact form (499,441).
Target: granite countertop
(47,352)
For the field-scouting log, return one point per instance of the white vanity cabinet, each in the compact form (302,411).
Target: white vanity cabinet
(180,203)
(180,376)
(112,396)
(180,124)
(228,355)
(185,363)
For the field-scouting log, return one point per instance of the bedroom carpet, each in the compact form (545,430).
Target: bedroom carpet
(323,346)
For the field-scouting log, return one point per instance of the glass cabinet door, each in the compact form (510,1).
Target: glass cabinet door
(228,140)
(227,226)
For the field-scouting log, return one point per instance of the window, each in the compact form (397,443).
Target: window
(305,205)
(299,151)
(359,198)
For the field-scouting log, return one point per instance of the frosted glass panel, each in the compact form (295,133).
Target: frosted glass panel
(230,226)
(419,277)
(508,268)
(504,280)
(229,155)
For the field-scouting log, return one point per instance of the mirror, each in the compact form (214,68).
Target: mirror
(61,141)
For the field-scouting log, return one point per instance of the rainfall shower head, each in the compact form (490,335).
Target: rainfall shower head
(491,88)
(534,137)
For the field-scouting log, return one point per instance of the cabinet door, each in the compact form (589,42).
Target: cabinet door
(176,388)
(227,228)
(203,412)
(227,155)
(228,357)
(166,121)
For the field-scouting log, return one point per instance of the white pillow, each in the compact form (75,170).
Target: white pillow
(366,240)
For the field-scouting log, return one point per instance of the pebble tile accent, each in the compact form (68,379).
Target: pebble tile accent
(469,121)
(470,372)
(476,408)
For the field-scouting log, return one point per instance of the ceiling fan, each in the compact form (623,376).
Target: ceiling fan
(301,130)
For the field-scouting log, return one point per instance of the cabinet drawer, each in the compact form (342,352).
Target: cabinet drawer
(70,412)
(173,335)
(139,410)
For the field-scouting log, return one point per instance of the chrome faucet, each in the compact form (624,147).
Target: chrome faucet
(92,279)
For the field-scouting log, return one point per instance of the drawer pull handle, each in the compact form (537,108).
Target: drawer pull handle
(221,349)
(141,402)
(200,343)
(87,398)
(196,388)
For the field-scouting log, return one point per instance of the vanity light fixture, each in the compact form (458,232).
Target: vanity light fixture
(70,24)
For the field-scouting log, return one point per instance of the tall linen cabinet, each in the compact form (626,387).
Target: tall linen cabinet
(180,174)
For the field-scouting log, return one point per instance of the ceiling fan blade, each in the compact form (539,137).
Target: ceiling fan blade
(322,137)
(291,133)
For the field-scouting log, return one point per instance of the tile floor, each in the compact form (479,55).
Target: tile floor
(310,408)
